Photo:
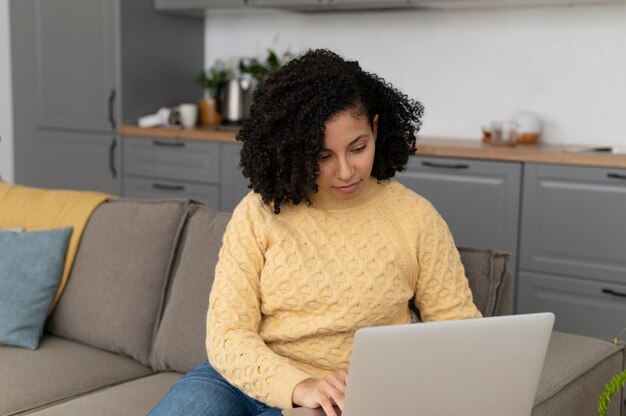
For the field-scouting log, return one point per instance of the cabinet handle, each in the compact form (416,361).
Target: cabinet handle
(164,187)
(168,144)
(112,108)
(615,176)
(445,165)
(614,293)
(112,147)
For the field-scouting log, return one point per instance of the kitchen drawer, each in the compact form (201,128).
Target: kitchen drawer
(172,159)
(581,306)
(154,188)
(574,222)
(479,200)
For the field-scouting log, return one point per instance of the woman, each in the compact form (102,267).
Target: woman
(325,244)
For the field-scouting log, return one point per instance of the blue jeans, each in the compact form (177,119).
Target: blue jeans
(204,392)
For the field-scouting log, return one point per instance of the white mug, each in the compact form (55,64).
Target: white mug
(188,115)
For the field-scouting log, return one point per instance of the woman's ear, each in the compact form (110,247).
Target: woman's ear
(375,126)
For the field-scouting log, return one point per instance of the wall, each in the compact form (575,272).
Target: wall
(468,67)
(6,113)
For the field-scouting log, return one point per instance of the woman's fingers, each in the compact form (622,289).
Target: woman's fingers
(327,405)
(336,388)
(339,379)
(322,393)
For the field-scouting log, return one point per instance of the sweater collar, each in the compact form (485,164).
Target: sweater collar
(370,193)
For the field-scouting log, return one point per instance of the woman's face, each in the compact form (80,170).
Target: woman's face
(347,155)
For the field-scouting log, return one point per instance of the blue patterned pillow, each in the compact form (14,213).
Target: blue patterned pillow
(31,264)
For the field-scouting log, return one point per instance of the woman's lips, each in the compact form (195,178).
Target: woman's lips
(349,188)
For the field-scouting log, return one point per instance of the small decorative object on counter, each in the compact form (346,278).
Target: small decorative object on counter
(528,128)
(503,133)
(160,118)
(486,133)
(210,81)
(164,117)
(208,112)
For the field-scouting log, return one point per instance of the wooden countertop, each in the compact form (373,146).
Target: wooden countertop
(427,146)
(215,134)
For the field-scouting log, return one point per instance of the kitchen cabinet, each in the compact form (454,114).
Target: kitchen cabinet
(197,7)
(573,247)
(233,184)
(318,5)
(171,168)
(76,159)
(82,67)
(581,306)
(479,200)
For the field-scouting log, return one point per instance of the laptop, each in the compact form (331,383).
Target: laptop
(474,367)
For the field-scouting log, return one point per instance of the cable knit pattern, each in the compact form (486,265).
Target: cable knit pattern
(291,289)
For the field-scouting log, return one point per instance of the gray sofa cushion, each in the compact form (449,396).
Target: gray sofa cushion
(115,291)
(180,339)
(575,371)
(59,369)
(136,397)
(489,279)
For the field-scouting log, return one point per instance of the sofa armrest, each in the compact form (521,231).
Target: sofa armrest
(575,370)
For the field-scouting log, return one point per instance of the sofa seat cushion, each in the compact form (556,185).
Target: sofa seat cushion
(575,370)
(115,292)
(135,397)
(180,340)
(59,369)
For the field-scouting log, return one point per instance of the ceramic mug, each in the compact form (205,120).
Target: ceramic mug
(188,115)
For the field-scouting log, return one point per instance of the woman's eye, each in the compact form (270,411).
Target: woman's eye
(359,149)
(324,157)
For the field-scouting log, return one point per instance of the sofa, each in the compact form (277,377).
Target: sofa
(131,320)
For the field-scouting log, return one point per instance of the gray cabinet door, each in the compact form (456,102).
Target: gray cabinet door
(233,184)
(76,63)
(479,200)
(581,306)
(173,5)
(187,160)
(574,222)
(82,161)
(331,4)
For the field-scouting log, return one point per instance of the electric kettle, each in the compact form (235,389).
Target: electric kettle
(234,97)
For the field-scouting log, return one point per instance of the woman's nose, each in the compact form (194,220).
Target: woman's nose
(345,170)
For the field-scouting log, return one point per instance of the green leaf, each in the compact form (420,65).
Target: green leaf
(610,389)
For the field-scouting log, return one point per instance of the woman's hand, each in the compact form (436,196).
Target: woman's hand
(322,393)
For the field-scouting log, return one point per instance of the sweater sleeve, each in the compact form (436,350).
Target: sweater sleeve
(442,291)
(234,346)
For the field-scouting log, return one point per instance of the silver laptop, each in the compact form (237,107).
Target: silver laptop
(474,367)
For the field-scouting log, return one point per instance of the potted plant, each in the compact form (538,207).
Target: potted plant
(209,80)
(260,70)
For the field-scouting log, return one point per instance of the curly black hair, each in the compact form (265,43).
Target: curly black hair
(284,134)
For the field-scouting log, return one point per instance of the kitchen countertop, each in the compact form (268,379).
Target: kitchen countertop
(427,146)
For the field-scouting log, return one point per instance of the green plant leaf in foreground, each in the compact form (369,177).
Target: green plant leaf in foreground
(610,389)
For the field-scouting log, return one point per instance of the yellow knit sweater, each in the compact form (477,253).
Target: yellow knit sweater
(291,289)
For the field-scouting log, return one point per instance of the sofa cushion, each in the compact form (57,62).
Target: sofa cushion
(575,370)
(489,279)
(115,291)
(31,265)
(135,397)
(180,340)
(59,369)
